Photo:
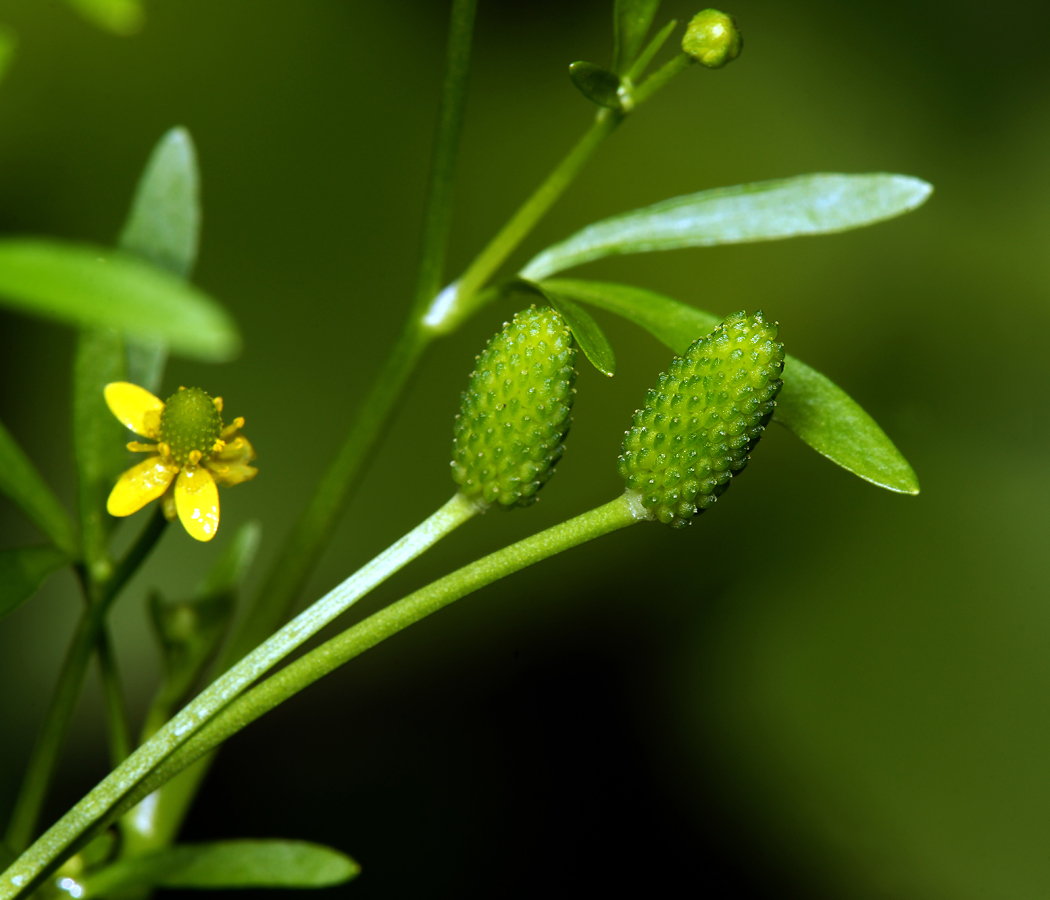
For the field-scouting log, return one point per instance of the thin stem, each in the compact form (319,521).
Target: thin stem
(619,513)
(97,807)
(44,758)
(661,76)
(454,304)
(438,210)
(118,727)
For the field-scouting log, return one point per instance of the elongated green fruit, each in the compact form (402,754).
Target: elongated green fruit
(514,415)
(708,411)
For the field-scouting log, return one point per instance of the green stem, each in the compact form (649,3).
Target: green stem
(95,810)
(621,512)
(454,304)
(118,727)
(661,76)
(437,221)
(44,758)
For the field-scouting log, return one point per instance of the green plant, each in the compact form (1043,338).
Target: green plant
(136,306)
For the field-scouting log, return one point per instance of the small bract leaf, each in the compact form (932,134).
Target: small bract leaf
(163,226)
(631,21)
(8,43)
(119,16)
(228,864)
(22,571)
(809,405)
(770,210)
(588,334)
(95,287)
(22,483)
(597,84)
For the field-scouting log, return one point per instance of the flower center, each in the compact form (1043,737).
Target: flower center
(190,426)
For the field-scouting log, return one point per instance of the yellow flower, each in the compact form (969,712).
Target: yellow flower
(190,442)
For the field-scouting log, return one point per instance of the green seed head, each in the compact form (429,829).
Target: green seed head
(708,410)
(712,39)
(190,422)
(514,415)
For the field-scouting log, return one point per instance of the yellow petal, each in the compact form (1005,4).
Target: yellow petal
(197,502)
(229,474)
(140,484)
(136,407)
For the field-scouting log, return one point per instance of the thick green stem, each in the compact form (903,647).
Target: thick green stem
(97,809)
(53,734)
(621,512)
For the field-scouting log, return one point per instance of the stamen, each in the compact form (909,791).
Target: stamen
(218,403)
(137,447)
(164,450)
(234,426)
(218,446)
(195,457)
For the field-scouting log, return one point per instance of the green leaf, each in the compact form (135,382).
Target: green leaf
(163,227)
(98,442)
(23,484)
(631,21)
(121,17)
(592,340)
(22,571)
(597,84)
(227,864)
(765,211)
(810,405)
(8,44)
(95,287)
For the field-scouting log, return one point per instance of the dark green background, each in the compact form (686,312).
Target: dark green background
(819,689)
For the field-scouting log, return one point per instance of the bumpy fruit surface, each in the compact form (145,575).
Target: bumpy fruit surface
(708,411)
(515,413)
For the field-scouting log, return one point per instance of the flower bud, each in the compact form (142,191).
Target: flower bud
(712,39)
(706,414)
(514,414)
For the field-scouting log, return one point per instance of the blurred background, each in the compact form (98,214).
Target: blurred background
(821,689)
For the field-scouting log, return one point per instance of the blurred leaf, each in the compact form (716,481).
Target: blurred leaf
(98,442)
(95,287)
(228,864)
(163,227)
(596,84)
(8,44)
(631,21)
(810,405)
(22,571)
(768,210)
(122,17)
(23,484)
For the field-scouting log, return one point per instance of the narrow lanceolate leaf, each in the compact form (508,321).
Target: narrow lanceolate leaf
(163,227)
(596,84)
(765,211)
(588,334)
(23,484)
(119,16)
(8,43)
(95,287)
(631,21)
(228,864)
(809,405)
(22,571)
(98,442)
